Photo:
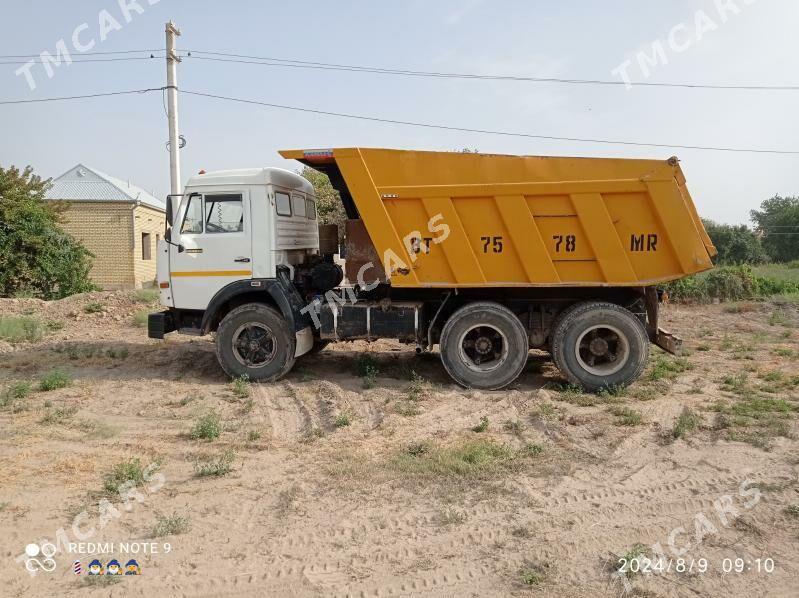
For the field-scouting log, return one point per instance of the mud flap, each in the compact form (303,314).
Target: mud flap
(305,341)
(658,336)
(668,342)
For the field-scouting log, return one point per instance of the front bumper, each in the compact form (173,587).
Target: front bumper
(159,324)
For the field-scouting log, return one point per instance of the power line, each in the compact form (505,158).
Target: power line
(85,53)
(486,131)
(80,97)
(80,61)
(303,64)
(408,123)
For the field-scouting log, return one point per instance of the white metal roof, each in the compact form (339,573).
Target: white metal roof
(83,183)
(252,176)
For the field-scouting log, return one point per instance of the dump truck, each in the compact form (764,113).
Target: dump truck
(486,257)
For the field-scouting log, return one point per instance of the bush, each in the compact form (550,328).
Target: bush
(208,427)
(54,380)
(216,466)
(140,318)
(779,215)
(146,296)
(728,283)
(736,244)
(17,329)
(37,257)
(93,307)
(124,475)
(171,525)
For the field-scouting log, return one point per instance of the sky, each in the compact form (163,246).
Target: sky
(709,42)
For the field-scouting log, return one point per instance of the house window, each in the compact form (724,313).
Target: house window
(146,247)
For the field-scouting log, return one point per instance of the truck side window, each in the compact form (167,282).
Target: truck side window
(298,205)
(224,214)
(193,220)
(310,209)
(282,204)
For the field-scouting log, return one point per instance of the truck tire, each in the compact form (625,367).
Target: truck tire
(599,345)
(255,340)
(484,346)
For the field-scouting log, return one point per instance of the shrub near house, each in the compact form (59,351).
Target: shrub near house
(37,256)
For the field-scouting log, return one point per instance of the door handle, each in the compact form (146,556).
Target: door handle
(242,260)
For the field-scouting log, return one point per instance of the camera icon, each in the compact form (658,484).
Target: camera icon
(46,563)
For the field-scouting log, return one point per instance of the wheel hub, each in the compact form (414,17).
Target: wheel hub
(598,346)
(483,345)
(254,345)
(483,348)
(602,350)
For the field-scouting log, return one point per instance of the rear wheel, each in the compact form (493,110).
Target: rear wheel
(599,345)
(254,340)
(484,346)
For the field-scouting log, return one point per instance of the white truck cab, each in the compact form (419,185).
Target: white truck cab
(232,229)
(236,225)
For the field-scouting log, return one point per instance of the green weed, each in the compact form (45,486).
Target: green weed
(476,458)
(241,386)
(208,427)
(365,364)
(686,423)
(93,307)
(171,525)
(482,426)
(123,476)
(370,377)
(342,420)
(58,415)
(140,318)
(146,296)
(54,379)
(668,368)
(626,416)
(216,466)
(18,329)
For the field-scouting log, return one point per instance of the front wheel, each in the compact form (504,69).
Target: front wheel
(484,346)
(254,340)
(599,345)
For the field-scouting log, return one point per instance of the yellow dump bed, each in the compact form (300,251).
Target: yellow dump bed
(519,220)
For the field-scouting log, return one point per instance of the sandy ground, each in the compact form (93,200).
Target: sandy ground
(337,490)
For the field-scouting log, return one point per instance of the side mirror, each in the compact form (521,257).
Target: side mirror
(169,215)
(168,235)
(181,249)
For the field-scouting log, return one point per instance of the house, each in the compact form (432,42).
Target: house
(115,220)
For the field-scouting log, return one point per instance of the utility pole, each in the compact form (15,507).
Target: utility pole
(172,60)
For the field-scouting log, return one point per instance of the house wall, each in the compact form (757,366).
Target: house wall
(105,229)
(151,221)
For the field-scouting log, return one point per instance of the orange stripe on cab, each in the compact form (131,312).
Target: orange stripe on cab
(206,273)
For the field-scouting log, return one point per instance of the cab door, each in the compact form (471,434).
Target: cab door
(215,247)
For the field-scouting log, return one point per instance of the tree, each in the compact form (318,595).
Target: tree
(36,255)
(778,222)
(328,200)
(736,244)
